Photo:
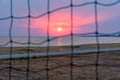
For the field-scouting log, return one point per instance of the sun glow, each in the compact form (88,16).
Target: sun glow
(60,23)
(59,29)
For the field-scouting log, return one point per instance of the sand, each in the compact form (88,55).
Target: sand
(60,68)
(16,50)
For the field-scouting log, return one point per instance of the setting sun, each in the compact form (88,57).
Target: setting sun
(59,29)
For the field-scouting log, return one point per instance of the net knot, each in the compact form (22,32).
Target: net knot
(96,2)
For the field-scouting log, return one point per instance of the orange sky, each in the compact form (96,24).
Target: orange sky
(83,18)
(62,20)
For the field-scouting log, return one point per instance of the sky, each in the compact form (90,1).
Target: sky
(83,18)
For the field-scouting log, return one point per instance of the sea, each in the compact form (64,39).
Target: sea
(55,41)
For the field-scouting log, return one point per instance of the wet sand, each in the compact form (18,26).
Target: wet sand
(20,50)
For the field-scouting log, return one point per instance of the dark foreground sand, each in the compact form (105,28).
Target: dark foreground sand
(83,69)
(59,67)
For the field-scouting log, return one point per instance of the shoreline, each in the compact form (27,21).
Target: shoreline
(55,53)
(21,50)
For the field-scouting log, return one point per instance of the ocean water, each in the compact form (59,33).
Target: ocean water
(61,41)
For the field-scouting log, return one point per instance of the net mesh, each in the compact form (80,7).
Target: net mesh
(98,66)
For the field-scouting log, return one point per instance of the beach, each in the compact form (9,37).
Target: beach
(60,40)
(21,50)
(59,65)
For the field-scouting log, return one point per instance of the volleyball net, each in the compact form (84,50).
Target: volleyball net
(89,66)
